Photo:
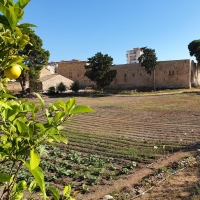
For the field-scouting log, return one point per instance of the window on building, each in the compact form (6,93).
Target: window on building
(171,72)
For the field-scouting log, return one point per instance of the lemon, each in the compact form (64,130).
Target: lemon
(13,72)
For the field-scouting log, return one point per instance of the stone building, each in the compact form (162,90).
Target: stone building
(54,80)
(168,74)
(74,70)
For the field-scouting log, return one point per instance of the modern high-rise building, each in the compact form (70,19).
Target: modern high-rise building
(133,55)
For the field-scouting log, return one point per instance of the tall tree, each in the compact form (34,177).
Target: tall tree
(35,59)
(98,69)
(194,49)
(148,60)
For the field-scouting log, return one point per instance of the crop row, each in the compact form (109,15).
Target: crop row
(80,170)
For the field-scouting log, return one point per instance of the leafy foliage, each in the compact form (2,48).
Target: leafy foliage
(194,49)
(51,90)
(22,134)
(61,87)
(148,59)
(13,35)
(35,57)
(75,86)
(98,69)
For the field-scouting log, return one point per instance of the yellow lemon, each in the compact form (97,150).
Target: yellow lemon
(13,72)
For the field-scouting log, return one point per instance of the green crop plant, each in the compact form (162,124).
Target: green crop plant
(93,180)
(124,170)
(131,165)
(85,188)
(22,133)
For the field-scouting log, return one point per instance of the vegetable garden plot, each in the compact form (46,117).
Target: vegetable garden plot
(125,131)
(82,171)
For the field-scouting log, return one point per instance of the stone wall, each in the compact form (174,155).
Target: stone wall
(168,74)
(15,86)
(75,71)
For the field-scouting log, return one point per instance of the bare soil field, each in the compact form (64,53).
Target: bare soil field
(109,150)
(127,128)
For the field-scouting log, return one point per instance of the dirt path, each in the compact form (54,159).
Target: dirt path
(132,179)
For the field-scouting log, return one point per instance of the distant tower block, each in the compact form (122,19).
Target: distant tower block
(133,55)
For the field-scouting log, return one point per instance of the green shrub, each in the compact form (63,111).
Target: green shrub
(52,90)
(61,87)
(75,87)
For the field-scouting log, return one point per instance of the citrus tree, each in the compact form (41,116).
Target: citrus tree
(21,132)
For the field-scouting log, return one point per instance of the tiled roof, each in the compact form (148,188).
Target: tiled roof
(47,77)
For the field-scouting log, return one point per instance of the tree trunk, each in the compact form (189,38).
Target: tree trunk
(22,81)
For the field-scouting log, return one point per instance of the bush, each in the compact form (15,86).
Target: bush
(61,87)
(75,87)
(52,90)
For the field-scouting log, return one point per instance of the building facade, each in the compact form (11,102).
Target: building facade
(133,55)
(74,70)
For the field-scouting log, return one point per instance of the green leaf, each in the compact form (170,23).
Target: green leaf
(62,104)
(23,66)
(70,104)
(9,14)
(58,116)
(39,177)
(55,134)
(32,185)
(64,139)
(67,190)
(4,177)
(40,99)
(18,12)
(40,126)
(55,192)
(7,96)
(60,128)
(21,185)
(17,59)
(18,196)
(22,3)
(35,159)
(31,129)
(22,128)
(26,25)
(81,109)
(4,105)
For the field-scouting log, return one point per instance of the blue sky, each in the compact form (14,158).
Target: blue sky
(78,29)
